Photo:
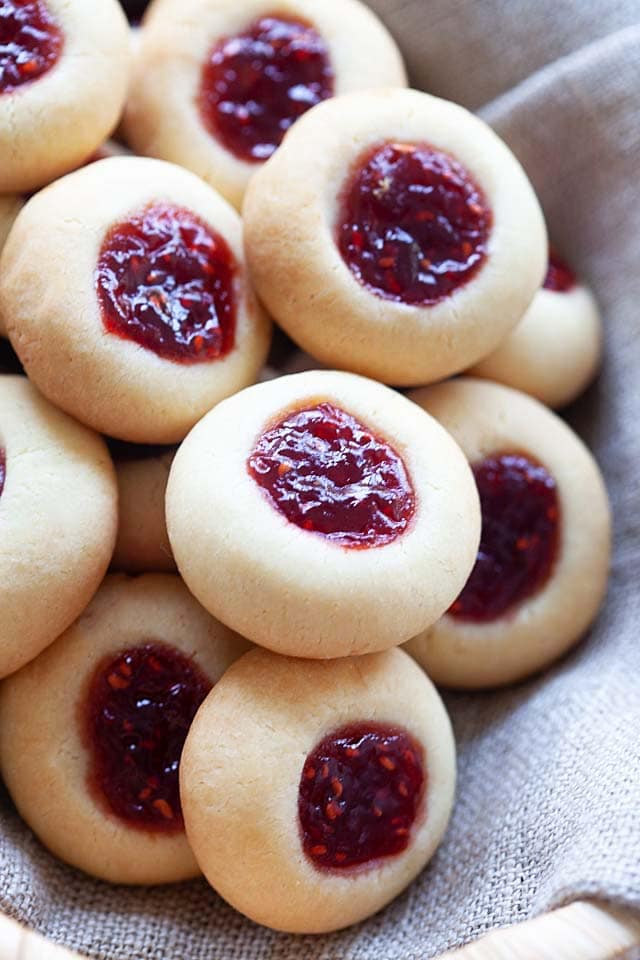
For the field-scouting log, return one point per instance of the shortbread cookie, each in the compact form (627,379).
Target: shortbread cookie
(555,351)
(64,72)
(116,694)
(322,515)
(313,793)
(128,278)
(394,235)
(58,514)
(217,84)
(542,566)
(142,545)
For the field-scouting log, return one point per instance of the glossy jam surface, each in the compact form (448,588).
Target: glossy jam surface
(30,42)
(166,281)
(138,711)
(327,473)
(413,227)
(360,793)
(560,277)
(256,84)
(519,540)
(3,470)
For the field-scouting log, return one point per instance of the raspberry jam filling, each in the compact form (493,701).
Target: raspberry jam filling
(30,42)
(138,711)
(3,470)
(255,85)
(560,277)
(327,473)
(166,281)
(414,227)
(360,793)
(520,536)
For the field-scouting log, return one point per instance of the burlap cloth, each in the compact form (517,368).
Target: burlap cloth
(548,803)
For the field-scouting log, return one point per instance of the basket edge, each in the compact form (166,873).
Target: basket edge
(580,931)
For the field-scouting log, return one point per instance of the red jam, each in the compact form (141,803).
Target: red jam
(359,796)
(30,42)
(255,85)
(560,277)
(139,708)
(3,470)
(414,227)
(166,281)
(519,541)
(327,473)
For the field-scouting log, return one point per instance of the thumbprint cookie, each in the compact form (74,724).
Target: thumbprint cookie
(217,84)
(64,73)
(307,513)
(314,792)
(124,292)
(541,571)
(116,694)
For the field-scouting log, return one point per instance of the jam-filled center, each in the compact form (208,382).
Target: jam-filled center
(138,710)
(414,226)
(255,85)
(360,793)
(165,280)
(560,277)
(30,42)
(519,540)
(328,473)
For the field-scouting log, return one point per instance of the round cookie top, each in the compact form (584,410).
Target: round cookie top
(135,269)
(555,350)
(406,224)
(120,689)
(325,499)
(541,570)
(58,511)
(217,85)
(55,110)
(341,790)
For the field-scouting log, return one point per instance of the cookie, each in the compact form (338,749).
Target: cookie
(314,792)
(116,694)
(308,513)
(555,351)
(217,84)
(54,112)
(128,276)
(58,509)
(394,235)
(142,544)
(543,562)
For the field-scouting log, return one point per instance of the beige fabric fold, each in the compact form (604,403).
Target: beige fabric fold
(549,773)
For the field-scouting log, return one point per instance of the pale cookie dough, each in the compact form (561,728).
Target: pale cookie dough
(142,544)
(241,773)
(292,214)
(51,124)
(58,512)
(163,117)
(488,419)
(297,591)
(554,352)
(49,301)
(45,753)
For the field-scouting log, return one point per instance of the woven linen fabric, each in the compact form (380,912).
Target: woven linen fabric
(548,806)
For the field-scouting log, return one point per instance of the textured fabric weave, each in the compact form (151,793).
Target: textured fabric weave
(548,806)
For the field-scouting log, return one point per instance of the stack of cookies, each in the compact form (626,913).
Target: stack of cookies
(236,566)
